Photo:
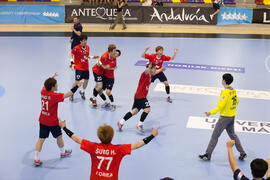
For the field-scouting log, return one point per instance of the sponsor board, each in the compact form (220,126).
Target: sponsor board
(178,15)
(261,16)
(141,14)
(214,91)
(103,14)
(234,16)
(203,67)
(41,14)
(257,127)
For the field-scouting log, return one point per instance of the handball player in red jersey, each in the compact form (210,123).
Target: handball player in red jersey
(48,119)
(140,100)
(106,157)
(158,58)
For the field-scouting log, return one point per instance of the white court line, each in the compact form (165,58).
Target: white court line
(214,91)
(266,62)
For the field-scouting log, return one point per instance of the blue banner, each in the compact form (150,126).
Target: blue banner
(41,14)
(234,16)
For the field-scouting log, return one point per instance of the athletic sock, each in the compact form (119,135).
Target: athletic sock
(111,98)
(127,116)
(95,92)
(62,150)
(122,121)
(143,116)
(36,155)
(103,97)
(167,89)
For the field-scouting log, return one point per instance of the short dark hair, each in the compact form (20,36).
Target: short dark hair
(153,65)
(105,133)
(258,168)
(228,78)
(50,83)
(118,52)
(83,37)
(167,178)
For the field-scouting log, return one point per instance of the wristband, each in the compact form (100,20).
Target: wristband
(148,139)
(71,60)
(68,132)
(74,89)
(91,57)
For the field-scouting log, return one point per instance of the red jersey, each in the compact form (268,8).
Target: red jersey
(49,102)
(153,58)
(81,57)
(109,73)
(105,159)
(104,60)
(143,86)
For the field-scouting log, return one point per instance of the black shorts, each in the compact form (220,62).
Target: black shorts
(161,76)
(44,131)
(107,83)
(98,78)
(216,6)
(140,104)
(79,75)
(74,43)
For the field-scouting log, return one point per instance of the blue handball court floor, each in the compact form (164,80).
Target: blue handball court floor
(195,78)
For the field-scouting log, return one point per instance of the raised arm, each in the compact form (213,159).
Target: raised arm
(73,136)
(174,54)
(145,140)
(144,52)
(232,161)
(268,170)
(72,90)
(54,75)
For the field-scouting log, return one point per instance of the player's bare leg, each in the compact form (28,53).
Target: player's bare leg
(39,145)
(71,98)
(128,115)
(139,126)
(212,15)
(109,94)
(82,92)
(60,143)
(167,88)
(96,91)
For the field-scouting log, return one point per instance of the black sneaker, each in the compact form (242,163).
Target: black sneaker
(242,157)
(204,157)
(82,95)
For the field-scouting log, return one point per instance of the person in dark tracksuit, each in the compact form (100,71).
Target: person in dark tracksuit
(227,108)
(75,37)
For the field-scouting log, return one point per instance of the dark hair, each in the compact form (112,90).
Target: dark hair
(153,65)
(167,178)
(111,47)
(83,37)
(105,133)
(119,52)
(228,78)
(50,83)
(159,48)
(258,168)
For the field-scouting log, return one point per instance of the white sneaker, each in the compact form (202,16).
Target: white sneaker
(211,16)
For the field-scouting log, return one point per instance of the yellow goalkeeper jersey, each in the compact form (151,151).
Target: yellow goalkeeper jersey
(227,103)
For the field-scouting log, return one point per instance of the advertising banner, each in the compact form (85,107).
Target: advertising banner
(234,16)
(42,14)
(178,15)
(261,16)
(103,14)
